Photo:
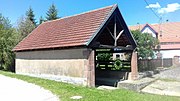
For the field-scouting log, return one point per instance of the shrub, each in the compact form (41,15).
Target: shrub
(118,64)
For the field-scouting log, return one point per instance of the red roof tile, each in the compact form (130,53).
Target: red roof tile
(170,31)
(65,32)
(170,46)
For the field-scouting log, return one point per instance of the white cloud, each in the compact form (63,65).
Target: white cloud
(154,5)
(170,8)
(162,10)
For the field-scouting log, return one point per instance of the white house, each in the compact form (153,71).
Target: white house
(168,34)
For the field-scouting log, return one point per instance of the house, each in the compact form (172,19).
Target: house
(65,49)
(168,34)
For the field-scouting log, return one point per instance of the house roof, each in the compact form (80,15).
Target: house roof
(167,32)
(75,30)
(150,27)
(170,46)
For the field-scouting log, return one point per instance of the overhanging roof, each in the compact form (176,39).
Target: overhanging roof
(77,30)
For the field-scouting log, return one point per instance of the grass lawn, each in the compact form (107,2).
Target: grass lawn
(65,91)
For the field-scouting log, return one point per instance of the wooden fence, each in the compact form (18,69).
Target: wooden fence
(152,64)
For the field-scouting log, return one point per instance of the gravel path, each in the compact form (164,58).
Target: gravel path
(12,89)
(173,73)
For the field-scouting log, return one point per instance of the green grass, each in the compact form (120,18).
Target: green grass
(65,91)
(167,80)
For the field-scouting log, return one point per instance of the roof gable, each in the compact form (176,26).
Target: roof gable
(77,30)
(105,34)
(150,27)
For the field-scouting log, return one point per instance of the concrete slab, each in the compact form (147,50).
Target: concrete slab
(136,85)
(107,88)
(171,88)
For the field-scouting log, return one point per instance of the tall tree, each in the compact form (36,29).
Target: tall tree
(30,15)
(52,13)
(25,26)
(41,20)
(5,22)
(8,39)
(146,44)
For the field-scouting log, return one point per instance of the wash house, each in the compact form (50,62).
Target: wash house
(91,48)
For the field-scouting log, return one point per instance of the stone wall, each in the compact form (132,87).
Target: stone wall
(153,64)
(71,64)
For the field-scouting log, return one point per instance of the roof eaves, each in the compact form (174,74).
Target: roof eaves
(103,23)
(14,49)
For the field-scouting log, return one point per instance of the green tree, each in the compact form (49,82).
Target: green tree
(30,15)
(5,22)
(25,27)
(41,20)
(52,13)
(8,39)
(146,44)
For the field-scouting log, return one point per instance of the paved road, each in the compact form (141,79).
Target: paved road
(168,85)
(173,73)
(12,89)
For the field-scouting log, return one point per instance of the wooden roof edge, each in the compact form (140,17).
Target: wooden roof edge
(94,35)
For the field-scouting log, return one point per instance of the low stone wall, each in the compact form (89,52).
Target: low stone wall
(152,64)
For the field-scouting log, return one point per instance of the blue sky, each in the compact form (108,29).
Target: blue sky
(133,11)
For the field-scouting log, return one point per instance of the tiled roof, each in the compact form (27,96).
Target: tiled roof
(170,46)
(137,27)
(167,32)
(70,31)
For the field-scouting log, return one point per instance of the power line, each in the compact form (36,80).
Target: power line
(160,18)
(152,10)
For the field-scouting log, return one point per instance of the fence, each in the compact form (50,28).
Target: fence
(152,64)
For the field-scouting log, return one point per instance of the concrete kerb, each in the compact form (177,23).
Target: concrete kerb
(136,85)
(143,80)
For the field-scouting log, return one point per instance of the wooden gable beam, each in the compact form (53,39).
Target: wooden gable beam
(115,32)
(110,33)
(115,37)
(119,35)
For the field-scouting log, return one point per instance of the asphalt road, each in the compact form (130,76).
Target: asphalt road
(173,73)
(12,89)
(167,83)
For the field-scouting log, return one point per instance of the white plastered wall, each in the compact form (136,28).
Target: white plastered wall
(67,65)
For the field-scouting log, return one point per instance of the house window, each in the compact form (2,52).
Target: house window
(117,56)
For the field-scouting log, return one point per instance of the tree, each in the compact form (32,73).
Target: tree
(8,39)
(41,20)
(145,44)
(5,22)
(30,15)
(52,13)
(25,26)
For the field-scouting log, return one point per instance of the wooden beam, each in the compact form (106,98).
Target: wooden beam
(115,42)
(110,33)
(113,47)
(119,35)
(112,51)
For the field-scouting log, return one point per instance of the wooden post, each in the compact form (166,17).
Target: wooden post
(115,42)
(91,69)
